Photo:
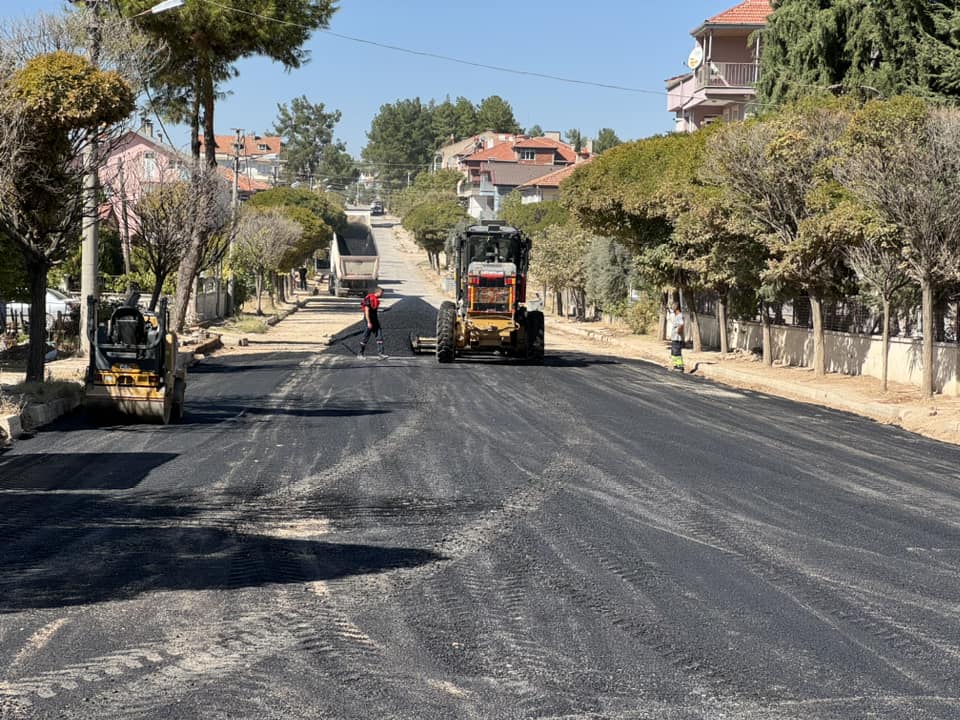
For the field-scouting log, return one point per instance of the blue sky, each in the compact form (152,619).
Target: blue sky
(632,43)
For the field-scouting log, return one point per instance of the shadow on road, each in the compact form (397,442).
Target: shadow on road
(76,471)
(81,548)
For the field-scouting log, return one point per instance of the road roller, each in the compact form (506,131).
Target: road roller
(134,370)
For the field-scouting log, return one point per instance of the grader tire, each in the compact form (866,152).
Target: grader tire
(446,333)
(179,400)
(534,336)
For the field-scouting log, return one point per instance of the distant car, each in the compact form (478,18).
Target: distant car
(57,303)
(376,208)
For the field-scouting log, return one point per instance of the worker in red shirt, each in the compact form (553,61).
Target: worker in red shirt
(371,306)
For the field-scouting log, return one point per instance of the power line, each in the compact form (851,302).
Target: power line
(446,58)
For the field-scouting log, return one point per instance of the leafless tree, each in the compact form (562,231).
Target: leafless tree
(166,212)
(263,237)
(913,181)
(41,182)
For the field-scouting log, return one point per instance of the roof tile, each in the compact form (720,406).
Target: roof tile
(749,12)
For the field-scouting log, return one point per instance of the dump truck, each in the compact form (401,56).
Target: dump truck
(135,368)
(354,261)
(491,314)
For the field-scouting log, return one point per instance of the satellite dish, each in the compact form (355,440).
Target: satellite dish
(696,58)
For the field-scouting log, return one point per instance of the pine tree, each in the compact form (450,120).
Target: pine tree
(882,47)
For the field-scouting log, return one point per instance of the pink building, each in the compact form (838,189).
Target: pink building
(724,66)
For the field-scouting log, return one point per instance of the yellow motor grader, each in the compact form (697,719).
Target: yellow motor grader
(134,365)
(491,314)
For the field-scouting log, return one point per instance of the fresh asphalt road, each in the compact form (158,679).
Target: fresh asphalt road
(325,537)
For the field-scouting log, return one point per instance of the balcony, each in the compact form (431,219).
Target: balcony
(727,75)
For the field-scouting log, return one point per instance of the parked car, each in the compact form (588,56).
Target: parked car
(376,207)
(57,304)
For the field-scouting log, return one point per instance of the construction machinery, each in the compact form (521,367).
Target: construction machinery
(354,261)
(491,314)
(134,368)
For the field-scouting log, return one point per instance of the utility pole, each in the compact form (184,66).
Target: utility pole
(238,144)
(89,265)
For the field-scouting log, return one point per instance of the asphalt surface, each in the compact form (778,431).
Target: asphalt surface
(327,537)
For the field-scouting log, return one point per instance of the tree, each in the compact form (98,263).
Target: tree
(902,159)
(606,139)
(453,121)
(431,223)
(438,186)
(535,131)
(775,172)
(878,262)
(532,217)
(575,138)
(626,194)
(205,40)
(883,47)
(263,238)
(319,215)
(559,260)
(48,108)
(400,141)
(609,270)
(166,216)
(495,113)
(307,130)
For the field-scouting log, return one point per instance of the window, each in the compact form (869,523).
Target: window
(263,147)
(527,154)
(150,166)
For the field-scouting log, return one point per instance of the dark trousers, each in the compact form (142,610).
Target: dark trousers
(676,353)
(372,329)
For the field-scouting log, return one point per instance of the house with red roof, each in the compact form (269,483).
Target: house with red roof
(724,68)
(547,187)
(261,156)
(141,162)
(495,171)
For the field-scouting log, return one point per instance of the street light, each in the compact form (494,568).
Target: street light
(160,7)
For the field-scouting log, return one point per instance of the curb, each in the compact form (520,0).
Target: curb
(734,378)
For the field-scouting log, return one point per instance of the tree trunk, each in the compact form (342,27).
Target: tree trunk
(926,353)
(694,320)
(722,322)
(157,289)
(259,283)
(885,344)
(558,300)
(37,271)
(816,310)
(767,335)
(664,312)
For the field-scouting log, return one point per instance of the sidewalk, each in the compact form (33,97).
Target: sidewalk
(902,405)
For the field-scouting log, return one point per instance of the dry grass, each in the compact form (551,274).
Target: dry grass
(247,325)
(16,397)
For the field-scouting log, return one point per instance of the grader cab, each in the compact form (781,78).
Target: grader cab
(491,314)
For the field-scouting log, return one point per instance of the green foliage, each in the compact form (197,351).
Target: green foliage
(643,315)
(559,257)
(453,121)
(535,131)
(310,150)
(63,92)
(495,113)
(433,187)
(14,284)
(400,141)
(883,47)
(432,221)
(609,274)
(325,206)
(531,218)
(606,139)
(575,138)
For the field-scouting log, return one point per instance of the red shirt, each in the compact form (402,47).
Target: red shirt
(373,302)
